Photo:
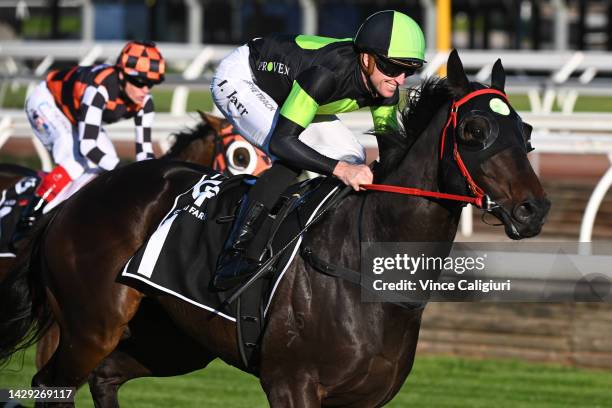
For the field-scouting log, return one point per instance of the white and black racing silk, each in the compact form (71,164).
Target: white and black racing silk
(92,96)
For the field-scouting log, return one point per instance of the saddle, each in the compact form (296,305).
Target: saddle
(295,208)
(188,240)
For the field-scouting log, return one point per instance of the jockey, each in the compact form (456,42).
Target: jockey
(67,110)
(282,93)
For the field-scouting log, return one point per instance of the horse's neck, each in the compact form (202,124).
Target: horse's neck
(198,148)
(419,219)
(420,166)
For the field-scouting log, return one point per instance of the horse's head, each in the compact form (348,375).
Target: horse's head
(196,145)
(213,143)
(234,154)
(486,142)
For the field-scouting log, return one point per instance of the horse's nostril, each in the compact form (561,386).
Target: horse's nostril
(524,211)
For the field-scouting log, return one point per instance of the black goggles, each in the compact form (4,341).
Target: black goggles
(139,82)
(393,69)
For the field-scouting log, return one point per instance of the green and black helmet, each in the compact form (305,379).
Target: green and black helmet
(394,36)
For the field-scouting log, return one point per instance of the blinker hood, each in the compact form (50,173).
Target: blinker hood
(503,131)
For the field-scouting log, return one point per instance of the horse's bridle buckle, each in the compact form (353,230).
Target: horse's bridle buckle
(488,204)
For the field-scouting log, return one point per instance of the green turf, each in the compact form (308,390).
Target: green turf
(594,104)
(436,381)
(33,162)
(40,26)
(197,100)
(519,102)
(14,99)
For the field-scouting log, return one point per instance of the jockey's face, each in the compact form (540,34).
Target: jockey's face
(136,94)
(384,85)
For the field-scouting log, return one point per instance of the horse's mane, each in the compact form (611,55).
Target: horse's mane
(422,104)
(183,138)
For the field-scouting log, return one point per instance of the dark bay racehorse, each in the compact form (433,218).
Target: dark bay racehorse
(322,345)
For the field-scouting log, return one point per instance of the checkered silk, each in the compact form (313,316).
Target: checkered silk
(142,59)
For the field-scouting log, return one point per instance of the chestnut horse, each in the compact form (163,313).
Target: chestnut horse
(322,346)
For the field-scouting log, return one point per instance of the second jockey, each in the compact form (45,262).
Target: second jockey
(67,111)
(282,93)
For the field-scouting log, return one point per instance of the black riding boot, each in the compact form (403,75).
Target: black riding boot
(235,266)
(29,215)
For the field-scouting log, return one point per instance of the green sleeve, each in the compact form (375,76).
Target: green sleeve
(299,107)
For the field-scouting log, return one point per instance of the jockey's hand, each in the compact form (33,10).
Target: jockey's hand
(353,174)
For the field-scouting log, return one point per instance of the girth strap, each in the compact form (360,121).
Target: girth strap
(250,324)
(339,271)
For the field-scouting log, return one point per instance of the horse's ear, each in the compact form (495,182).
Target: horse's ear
(498,76)
(457,79)
(215,122)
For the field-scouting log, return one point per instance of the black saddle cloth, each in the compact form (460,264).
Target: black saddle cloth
(12,202)
(180,257)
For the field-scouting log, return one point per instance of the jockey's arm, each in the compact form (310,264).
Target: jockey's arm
(309,89)
(289,149)
(286,146)
(89,125)
(144,121)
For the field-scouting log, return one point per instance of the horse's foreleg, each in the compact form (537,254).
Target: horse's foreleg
(152,347)
(47,345)
(85,341)
(298,390)
(76,356)
(117,368)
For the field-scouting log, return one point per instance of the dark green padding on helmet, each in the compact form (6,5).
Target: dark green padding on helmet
(393,35)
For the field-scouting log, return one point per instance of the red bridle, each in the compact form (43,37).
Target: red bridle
(480,199)
(219,163)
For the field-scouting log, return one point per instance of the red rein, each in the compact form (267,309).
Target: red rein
(423,193)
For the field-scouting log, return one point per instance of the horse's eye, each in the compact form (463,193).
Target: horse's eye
(475,132)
